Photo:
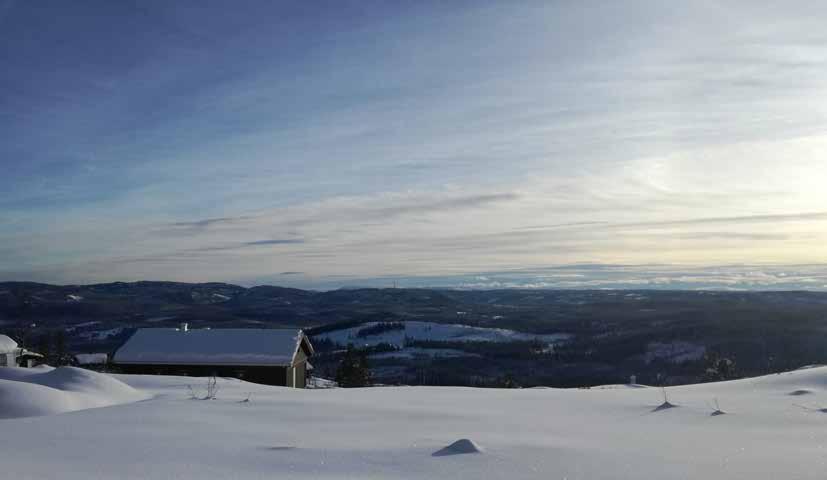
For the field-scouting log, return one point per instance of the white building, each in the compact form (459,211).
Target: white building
(11,355)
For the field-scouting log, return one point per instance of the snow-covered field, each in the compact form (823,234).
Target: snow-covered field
(435,331)
(773,430)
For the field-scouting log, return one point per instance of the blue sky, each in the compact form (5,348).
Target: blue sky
(325,143)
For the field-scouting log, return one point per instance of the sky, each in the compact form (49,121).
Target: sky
(322,144)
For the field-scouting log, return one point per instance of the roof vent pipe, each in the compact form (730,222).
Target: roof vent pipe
(184,327)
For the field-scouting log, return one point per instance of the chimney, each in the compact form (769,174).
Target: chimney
(184,327)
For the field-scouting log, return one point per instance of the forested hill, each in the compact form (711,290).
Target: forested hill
(762,331)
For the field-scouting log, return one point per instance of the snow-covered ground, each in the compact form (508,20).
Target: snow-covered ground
(435,331)
(773,429)
(26,392)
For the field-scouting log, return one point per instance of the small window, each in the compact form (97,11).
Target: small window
(3,360)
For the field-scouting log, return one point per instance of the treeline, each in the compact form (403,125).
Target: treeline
(380,328)
(331,327)
(514,349)
(376,329)
(52,345)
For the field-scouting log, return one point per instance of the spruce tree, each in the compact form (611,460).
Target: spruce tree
(44,346)
(353,370)
(61,354)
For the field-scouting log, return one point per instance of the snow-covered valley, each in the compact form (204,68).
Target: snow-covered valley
(774,428)
(415,330)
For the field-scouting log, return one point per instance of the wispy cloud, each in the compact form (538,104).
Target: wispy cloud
(357,210)
(562,225)
(382,209)
(444,205)
(196,226)
(735,220)
(240,245)
(277,241)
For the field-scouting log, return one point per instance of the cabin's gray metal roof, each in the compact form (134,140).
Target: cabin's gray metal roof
(221,346)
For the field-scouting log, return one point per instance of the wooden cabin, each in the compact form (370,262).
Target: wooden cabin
(268,356)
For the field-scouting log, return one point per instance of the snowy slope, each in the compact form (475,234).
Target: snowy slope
(26,392)
(435,331)
(393,433)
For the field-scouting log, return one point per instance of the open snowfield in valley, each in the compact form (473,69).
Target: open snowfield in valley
(415,330)
(773,429)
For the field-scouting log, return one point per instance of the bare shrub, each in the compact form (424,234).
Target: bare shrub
(210,392)
(717,409)
(666,403)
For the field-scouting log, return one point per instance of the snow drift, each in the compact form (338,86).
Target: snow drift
(39,391)
(462,446)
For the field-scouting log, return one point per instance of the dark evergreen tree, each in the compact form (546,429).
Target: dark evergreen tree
(61,355)
(44,347)
(508,382)
(718,368)
(353,370)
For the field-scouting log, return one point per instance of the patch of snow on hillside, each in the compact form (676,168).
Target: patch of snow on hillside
(102,334)
(414,352)
(416,330)
(675,352)
(81,325)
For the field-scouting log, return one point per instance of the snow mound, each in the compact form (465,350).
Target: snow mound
(812,379)
(460,447)
(664,406)
(798,393)
(45,391)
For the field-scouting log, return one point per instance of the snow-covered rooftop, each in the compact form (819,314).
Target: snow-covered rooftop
(7,344)
(226,346)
